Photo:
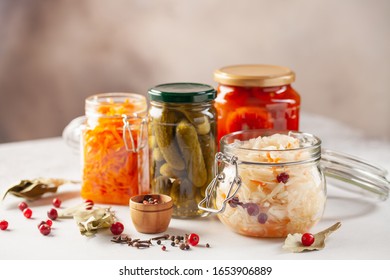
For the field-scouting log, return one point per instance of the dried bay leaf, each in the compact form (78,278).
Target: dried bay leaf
(294,244)
(89,221)
(34,189)
(70,212)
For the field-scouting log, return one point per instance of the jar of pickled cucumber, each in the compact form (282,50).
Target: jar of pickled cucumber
(182,143)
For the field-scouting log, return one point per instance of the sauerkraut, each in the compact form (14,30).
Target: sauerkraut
(276,197)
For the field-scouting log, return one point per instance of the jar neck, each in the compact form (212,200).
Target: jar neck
(192,106)
(277,158)
(306,149)
(115,105)
(270,89)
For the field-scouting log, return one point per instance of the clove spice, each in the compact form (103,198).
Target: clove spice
(140,245)
(121,239)
(180,241)
(165,236)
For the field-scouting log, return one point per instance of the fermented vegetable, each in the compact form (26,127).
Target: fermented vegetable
(188,141)
(274,199)
(164,131)
(182,135)
(112,173)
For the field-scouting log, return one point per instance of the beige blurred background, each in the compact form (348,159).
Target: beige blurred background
(53,54)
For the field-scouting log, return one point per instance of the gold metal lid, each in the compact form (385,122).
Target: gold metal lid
(254,75)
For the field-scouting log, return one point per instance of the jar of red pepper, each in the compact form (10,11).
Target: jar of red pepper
(256,96)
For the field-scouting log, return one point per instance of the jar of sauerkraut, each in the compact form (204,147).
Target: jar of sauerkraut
(112,137)
(270,183)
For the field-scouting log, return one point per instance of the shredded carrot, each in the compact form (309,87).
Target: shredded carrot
(259,183)
(110,172)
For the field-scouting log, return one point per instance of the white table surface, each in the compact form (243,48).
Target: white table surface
(364,233)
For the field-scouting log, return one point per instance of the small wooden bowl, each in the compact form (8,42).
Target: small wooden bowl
(151,218)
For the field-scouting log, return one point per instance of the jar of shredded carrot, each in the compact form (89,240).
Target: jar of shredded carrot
(114,148)
(256,97)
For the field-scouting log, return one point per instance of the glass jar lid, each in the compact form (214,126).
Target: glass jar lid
(254,75)
(355,174)
(349,172)
(182,93)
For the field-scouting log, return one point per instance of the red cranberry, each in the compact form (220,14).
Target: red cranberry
(307,239)
(49,222)
(41,223)
(52,214)
(57,202)
(45,229)
(22,205)
(282,177)
(262,218)
(27,213)
(3,225)
(193,239)
(117,228)
(90,204)
(234,202)
(252,209)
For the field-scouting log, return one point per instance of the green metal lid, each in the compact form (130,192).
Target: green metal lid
(182,93)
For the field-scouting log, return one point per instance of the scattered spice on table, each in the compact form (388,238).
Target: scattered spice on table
(180,241)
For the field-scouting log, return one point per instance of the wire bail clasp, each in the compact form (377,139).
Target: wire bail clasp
(220,177)
(131,124)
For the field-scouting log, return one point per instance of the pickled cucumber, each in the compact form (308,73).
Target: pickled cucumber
(157,155)
(167,170)
(175,192)
(182,193)
(208,146)
(199,196)
(198,119)
(188,141)
(194,117)
(164,134)
(163,185)
(203,128)
(151,141)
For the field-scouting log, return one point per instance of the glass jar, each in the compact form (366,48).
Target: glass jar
(272,183)
(113,140)
(182,144)
(256,97)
